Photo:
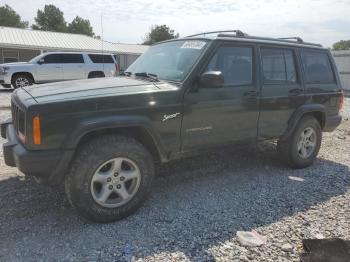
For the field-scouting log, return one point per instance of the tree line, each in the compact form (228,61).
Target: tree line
(51,18)
(48,19)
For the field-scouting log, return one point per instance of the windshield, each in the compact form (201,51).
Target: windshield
(170,61)
(37,58)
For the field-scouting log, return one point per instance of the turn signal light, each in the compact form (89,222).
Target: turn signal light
(36,130)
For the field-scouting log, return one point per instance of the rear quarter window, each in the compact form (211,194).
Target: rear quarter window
(101,59)
(317,67)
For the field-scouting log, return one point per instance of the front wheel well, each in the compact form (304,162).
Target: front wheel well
(138,133)
(22,73)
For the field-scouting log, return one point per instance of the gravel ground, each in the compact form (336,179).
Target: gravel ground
(5,97)
(196,207)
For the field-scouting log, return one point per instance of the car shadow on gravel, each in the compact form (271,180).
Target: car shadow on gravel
(196,204)
(6,90)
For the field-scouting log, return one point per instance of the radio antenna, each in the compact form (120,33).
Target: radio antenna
(103,57)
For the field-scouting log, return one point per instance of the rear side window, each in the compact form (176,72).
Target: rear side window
(72,59)
(101,59)
(235,63)
(278,65)
(318,69)
(52,59)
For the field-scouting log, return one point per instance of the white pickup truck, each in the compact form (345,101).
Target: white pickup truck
(58,66)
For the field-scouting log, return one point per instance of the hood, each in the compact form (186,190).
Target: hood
(92,88)
(16,64)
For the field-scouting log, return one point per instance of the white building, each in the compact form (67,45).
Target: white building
(18,45)
(342,59)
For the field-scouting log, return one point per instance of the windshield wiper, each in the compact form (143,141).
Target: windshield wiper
(153,77)
(126,73)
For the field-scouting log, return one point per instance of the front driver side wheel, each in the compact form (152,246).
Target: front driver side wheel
(21,80)
(110,178)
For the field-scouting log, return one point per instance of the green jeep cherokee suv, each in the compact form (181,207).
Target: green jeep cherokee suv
(101,137)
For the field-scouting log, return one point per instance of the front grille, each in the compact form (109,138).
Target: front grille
(18,118)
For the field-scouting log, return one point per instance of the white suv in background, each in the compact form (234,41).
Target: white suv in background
(58,66)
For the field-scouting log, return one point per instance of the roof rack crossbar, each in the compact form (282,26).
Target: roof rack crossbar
(239,33)
(299,40)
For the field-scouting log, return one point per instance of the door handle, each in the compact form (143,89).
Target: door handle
(295,91)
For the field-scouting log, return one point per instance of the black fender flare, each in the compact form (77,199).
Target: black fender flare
(112,122)
(299,113)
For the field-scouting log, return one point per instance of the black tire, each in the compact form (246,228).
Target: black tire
(26,78)
(288,148)
(89,158)
(96,75)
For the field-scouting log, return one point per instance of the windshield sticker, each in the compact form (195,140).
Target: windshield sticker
(193,44)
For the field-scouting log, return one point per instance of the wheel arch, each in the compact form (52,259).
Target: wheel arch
(316,110)
(22,73)
(138,128)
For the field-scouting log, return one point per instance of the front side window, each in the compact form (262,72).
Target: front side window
(278,65)
(318,69)
(72,59)
(170,61)
(235,63)
(52,59)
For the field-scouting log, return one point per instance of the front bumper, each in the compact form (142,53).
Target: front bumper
(5,79)
(48,164)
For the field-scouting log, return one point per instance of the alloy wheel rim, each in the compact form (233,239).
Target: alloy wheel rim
(22,82)
(307,142)
(115,182)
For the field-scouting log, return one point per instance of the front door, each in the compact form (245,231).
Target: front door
(50,68)
(217,116)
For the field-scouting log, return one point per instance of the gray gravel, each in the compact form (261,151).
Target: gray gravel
(196,207)
(5,98)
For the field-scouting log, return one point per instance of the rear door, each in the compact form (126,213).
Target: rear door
(51,68)
(281,89)
(219,116)
(73,66)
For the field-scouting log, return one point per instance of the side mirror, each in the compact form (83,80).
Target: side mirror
(211,79)
(41,61)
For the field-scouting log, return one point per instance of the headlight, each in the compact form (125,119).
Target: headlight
(3,70)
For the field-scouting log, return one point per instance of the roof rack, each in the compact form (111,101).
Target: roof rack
(299,40)
(284,39)
(238,33)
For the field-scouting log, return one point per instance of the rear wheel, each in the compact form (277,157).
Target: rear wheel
(96,74)
(301,148)
(110,178)
(21,80)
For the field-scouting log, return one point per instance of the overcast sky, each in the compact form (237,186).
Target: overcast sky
(127,21)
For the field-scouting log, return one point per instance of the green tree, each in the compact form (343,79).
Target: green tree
(80,26)
(50,19)
(159,33)
(9,17)
(342,45)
